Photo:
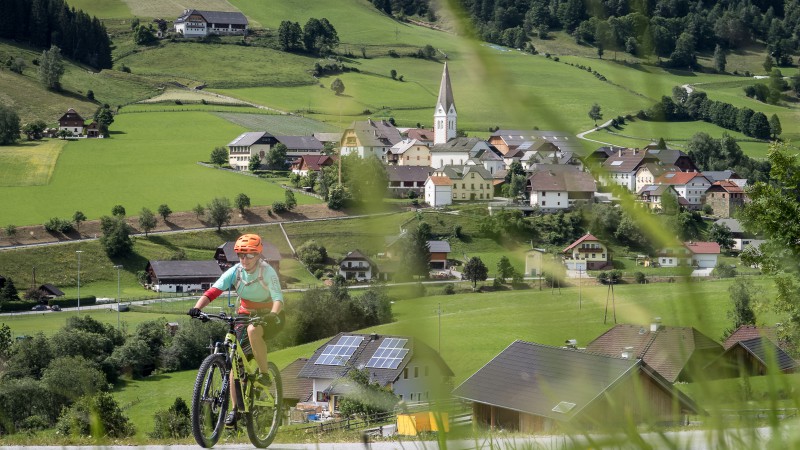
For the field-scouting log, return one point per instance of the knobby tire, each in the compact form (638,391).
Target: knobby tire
(209,401)
(264,417)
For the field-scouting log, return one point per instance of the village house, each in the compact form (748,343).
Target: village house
(507,140)
(470,183)
(412,370)
(302,165)
(741,238)
(369,138)
(410,152)
(648,172)
(669,157)
(439,251)
(721,175)
(690,185)
(439,191)
(404,179)
(297,146)
(72,122)
(535,388)
(725,197)
(49,291)
(197,23)
(651,196)
(296,390)
(535,260)
(181,276)
(457,151)
(555,188)
(248,144)
(330,139)
(490,161)
(675,353)
(620,168)
(702,255)
(587,253)
(226,257)
(357,266)
(755,356)
(421,135)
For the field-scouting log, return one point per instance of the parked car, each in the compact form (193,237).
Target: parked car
(55,308)
(39,308)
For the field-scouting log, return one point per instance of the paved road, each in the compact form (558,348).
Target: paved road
(684,440)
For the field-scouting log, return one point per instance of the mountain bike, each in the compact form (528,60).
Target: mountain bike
(259,404)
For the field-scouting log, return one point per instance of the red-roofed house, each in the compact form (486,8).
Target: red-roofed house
(311,163)
(690,185)
(725,197)
(438,191)
(587,253)
(698,254)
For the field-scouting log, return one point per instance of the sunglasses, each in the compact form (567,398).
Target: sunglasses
(247,255)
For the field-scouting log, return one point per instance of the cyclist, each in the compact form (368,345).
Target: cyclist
(256,283)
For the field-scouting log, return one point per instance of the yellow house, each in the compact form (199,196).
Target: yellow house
(469,182)
(410,153)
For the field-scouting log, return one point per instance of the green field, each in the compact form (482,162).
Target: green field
(150,159)
(29,163)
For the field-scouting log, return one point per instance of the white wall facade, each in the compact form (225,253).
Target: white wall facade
(550,200)
(191,29)
(438,195)
(441,159)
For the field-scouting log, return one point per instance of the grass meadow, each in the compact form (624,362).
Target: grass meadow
(466,339)
(150,159)
(29,163)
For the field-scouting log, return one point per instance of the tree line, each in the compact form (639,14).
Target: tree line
(675,30)
(317,37)
(44,23)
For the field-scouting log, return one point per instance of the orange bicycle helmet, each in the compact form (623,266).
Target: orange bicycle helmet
(249,243)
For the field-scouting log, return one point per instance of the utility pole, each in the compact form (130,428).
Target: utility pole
(118,267)
(78,252)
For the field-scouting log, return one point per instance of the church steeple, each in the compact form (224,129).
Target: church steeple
(445,115)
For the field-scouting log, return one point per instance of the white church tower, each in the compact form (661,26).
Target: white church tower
(445,116)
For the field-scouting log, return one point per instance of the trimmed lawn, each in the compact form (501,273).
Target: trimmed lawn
(103,9)
(29,163)
(278,124)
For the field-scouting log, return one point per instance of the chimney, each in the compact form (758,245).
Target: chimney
(636,151)
(571,343)
(620,152)
(373,337)
(656,325)
(627,353)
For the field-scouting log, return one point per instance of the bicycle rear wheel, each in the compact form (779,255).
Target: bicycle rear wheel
(210,401)
(264,417)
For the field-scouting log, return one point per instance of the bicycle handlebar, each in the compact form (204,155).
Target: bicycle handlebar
(226,318)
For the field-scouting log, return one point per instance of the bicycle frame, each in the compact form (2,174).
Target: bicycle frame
(236,361)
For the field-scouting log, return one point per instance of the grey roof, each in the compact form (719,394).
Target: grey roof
(328,137)
(562,179)
(446,91)
(628,162)
(373,133)
(300,143)
(294,387)
(719,175)
(534,378)
(220,17)
(408,173)
(655,189)
(362,355)
(667,156)
(249,138)
(733,224)
(47,287)
(270,252)
(185,269)
(459,172)
(459,144)
(356,255)
(439,246)
(561,139)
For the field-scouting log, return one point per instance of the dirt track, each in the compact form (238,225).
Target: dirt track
(177,221)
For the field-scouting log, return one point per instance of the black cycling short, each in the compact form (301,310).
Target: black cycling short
(270,331)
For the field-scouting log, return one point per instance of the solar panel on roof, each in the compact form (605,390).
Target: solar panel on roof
(564,407)
(339,353)
(616,163)
(669,175)
(389,355)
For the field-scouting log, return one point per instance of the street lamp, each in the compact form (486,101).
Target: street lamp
(79,278)
(118,267)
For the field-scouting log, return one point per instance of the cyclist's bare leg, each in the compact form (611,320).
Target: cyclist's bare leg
(256,335)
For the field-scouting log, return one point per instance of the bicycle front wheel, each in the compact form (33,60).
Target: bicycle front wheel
(265,402)
(209,401)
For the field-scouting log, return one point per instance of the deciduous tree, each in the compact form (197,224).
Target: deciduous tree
(9,125)
(242,202)
(219,212)
(51,68)
(475,270)
(164,211)
(219,156)
(595,114)
(147,220)
(116,239)
(276,157)
(337,86)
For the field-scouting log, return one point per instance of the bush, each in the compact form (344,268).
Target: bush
(58,225)
(640,277)
(97,416)
(723,270)
(497,283)
(319,273)
(172,423)
(279,207)
(449,289)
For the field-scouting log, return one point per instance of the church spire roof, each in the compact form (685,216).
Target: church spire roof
(445,91)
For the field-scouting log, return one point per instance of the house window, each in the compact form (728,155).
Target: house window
(426,371)
(362,275)
(603,255)
(455,195)
(416,372)
(412,396)
(544,203)
(463,196)
(323,396)
(405,373)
